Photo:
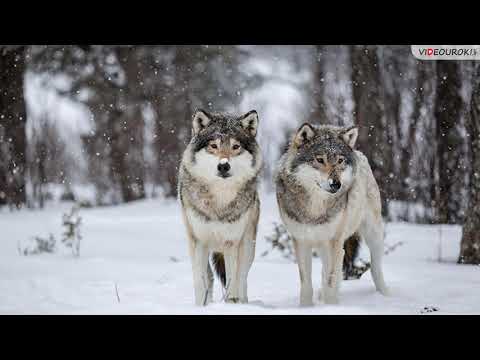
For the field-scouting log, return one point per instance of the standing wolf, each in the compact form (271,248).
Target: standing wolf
(326,193)
(218,193)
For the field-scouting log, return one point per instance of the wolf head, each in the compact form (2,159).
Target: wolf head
(223,146)
(323,156)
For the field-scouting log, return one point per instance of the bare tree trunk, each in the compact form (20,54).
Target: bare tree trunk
(416,118)
(448,107)
(318,113)
(127,142)
(12,126)
(372,138)
(393,67)
(175,116)
(470,244)
(41,159)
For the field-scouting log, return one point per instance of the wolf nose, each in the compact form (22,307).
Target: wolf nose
(334,185)
(223,167)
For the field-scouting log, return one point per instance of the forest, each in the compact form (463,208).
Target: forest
(107,124)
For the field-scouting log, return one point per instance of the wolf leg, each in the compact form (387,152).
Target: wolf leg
(323,252)
(303,254)
(373,234)
(202,278)
(351,247)
(246,253)
(202,273)
(334,272)
(231,255)
(210,278)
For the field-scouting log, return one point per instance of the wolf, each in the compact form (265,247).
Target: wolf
(217,187)
(326,194)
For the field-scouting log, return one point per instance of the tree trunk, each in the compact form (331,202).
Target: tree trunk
(470,244)
(393,66)
(127,146)
(41,173)
(372,137)
(175,117)
(448,107)
(12,127)
(318,113)
(408,151)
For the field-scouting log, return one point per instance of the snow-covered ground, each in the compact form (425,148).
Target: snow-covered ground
(140,250)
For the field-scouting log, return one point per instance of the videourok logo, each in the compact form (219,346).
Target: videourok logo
(446,52)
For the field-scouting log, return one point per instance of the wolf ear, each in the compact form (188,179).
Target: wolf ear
(304,134)
(201,119)
(250,122)
(350,135)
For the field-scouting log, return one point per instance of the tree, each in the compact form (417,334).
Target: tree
(318,111)
(193,76)
(127,120)
(420,127)
(396,81)
(110,75)
(119,84)
(448,114)
(470,243)
(12,126)
(369,116)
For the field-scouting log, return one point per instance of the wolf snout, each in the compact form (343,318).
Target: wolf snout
(223,169)
(335,185)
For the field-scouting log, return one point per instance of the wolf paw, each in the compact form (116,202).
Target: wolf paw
(384,291)
(306,303)
(331,300)
(329,296)
(306,296)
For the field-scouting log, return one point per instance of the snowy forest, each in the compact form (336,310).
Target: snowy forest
(105,125)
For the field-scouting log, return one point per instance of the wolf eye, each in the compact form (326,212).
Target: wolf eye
(340,160)
(236,147)
(320,160)
(213,146)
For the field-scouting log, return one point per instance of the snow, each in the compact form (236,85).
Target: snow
(139,250)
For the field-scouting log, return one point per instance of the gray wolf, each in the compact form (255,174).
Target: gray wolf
(326,194)
(217,187)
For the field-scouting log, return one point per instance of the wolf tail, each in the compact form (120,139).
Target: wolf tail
(351,247)
(218,262)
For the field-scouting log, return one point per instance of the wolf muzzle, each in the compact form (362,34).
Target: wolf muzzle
(223,168)
(335,185)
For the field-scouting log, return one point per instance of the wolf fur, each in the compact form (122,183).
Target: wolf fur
(351,248)
(219,199)
(327,194)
